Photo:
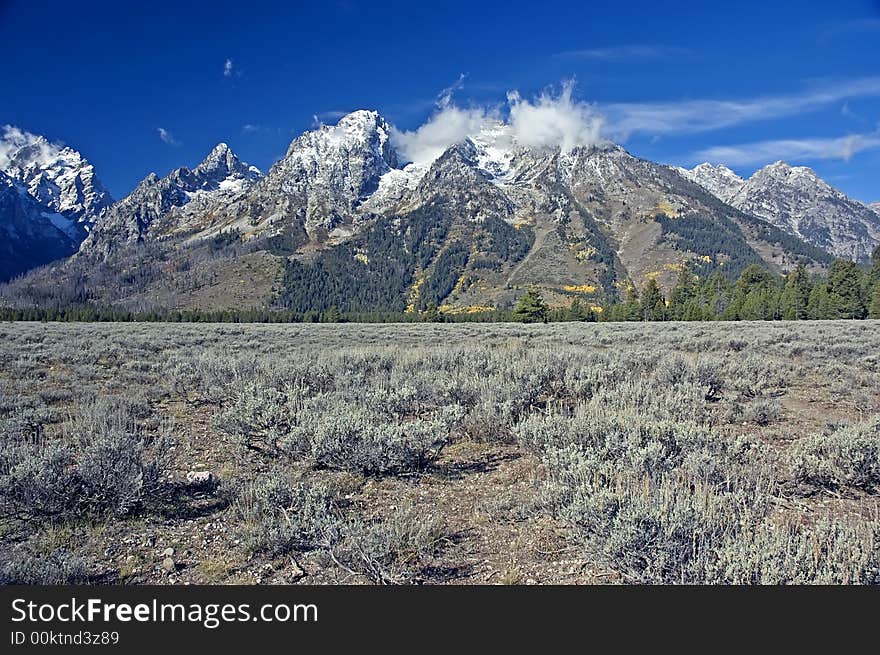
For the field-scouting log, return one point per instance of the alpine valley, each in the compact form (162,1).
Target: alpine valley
(344,220)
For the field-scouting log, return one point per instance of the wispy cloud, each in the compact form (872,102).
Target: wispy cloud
(444,99)
(555,120)
(691,116)
(792,150)
(626,53)
(14,139)
(228,68)
(167,137)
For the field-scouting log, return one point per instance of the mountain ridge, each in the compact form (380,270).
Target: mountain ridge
(797,200)
(347,218)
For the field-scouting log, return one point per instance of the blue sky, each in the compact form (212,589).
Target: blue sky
(148,87)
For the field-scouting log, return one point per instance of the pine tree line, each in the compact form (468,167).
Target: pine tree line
(847,292)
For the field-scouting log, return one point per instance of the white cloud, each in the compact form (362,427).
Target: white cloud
(14,139)
(792,150)
(250,128)
(548,121)
(166,136)
(559,121)
(690,116)
(626,52)
(227,68)
(554,121)
(446,127)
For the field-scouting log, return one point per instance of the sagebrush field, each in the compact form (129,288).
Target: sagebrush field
(432,453)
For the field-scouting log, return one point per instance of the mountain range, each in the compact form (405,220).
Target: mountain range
(798,201)
(344,220)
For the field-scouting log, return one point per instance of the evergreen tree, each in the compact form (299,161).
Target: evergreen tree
(682,294)
(795,297)
(819,307)
(531,308)
(872,293)
(874,306)
(630,309)
(432,314)
(845,290)
(756,296)
(874,274)
(332,315)
(653,305)
(694,312)
(716,292)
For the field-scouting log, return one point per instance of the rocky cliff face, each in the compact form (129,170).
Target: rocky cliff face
(324,180)
(29,234)
(51,198)
(718,180)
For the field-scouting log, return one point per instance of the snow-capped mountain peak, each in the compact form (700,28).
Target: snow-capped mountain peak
(177,202)
(800,202)
(718,180)
(221,163)
(58,177)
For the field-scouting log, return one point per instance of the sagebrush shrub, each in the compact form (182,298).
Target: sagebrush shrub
(23,566)
(762,411)
(848,456)
(102,462)
(362,442)
(276,515)
(390,551)
(792,553)
(260,417)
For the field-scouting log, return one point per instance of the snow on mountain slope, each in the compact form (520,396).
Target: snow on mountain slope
(184,199)
(326,175)
(29,235)
(59,178)
(797,200)
(718,180)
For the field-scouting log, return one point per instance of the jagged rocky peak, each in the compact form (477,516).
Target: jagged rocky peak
(328,174)
(29,234)
(218,180)
(800,202)
(220,170)
(782,170)
(221,164)
(58,177)
(362,137)
(875,206)
(718,179)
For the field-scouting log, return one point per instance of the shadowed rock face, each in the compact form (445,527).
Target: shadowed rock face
(52,198)
(29,235)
